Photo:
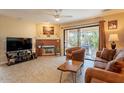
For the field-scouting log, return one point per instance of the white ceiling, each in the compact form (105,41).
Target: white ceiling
(42,15)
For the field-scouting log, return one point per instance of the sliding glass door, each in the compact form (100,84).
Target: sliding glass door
(85,37)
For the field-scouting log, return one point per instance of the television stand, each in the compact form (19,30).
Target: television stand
(15,57)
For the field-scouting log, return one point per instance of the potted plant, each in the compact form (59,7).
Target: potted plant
(57,50)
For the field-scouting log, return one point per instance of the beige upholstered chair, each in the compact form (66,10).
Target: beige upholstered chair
(75,53)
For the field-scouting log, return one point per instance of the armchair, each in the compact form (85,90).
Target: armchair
(75,53)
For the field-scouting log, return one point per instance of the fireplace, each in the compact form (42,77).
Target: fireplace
(47,47)
(48,50)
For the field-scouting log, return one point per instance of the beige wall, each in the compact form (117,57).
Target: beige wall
(120,29)
(10,27)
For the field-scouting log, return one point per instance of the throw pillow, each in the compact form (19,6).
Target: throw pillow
(120,59)
(120,56)
(114,66)
(108,54)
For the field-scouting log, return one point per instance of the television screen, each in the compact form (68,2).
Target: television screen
(14,44)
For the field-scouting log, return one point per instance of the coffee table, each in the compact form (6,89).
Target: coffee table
(70,66)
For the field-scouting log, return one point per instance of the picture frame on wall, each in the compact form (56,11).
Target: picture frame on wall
(112,24)
(48,30)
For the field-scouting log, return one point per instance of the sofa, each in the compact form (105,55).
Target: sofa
(75,53)
(107,70)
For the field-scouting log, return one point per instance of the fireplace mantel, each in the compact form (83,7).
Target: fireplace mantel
(40,43)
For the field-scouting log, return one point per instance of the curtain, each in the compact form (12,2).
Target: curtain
(102,40)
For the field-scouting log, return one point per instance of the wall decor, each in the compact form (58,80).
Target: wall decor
(48,30)
(112,24)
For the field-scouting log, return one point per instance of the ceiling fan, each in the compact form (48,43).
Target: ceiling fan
(58,15)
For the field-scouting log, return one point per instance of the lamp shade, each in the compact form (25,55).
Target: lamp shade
(113,37)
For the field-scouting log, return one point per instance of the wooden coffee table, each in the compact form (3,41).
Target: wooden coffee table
(70,66)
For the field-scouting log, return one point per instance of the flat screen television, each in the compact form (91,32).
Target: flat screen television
(14,44)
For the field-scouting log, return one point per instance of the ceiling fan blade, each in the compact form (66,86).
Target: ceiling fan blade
(105,10)
(58,11)
(49,14)
(66,16)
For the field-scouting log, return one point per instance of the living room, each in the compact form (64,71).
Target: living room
(33,24)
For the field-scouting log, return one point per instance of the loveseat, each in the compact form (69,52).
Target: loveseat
(107,70)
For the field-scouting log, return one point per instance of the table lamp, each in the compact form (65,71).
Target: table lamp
(112,39)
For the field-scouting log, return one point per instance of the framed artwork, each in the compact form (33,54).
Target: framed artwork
(48,30)
(112,24)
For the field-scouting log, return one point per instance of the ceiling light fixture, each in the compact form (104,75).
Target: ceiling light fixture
(57,19)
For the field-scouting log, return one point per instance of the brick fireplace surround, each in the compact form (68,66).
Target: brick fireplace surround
(47,46)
